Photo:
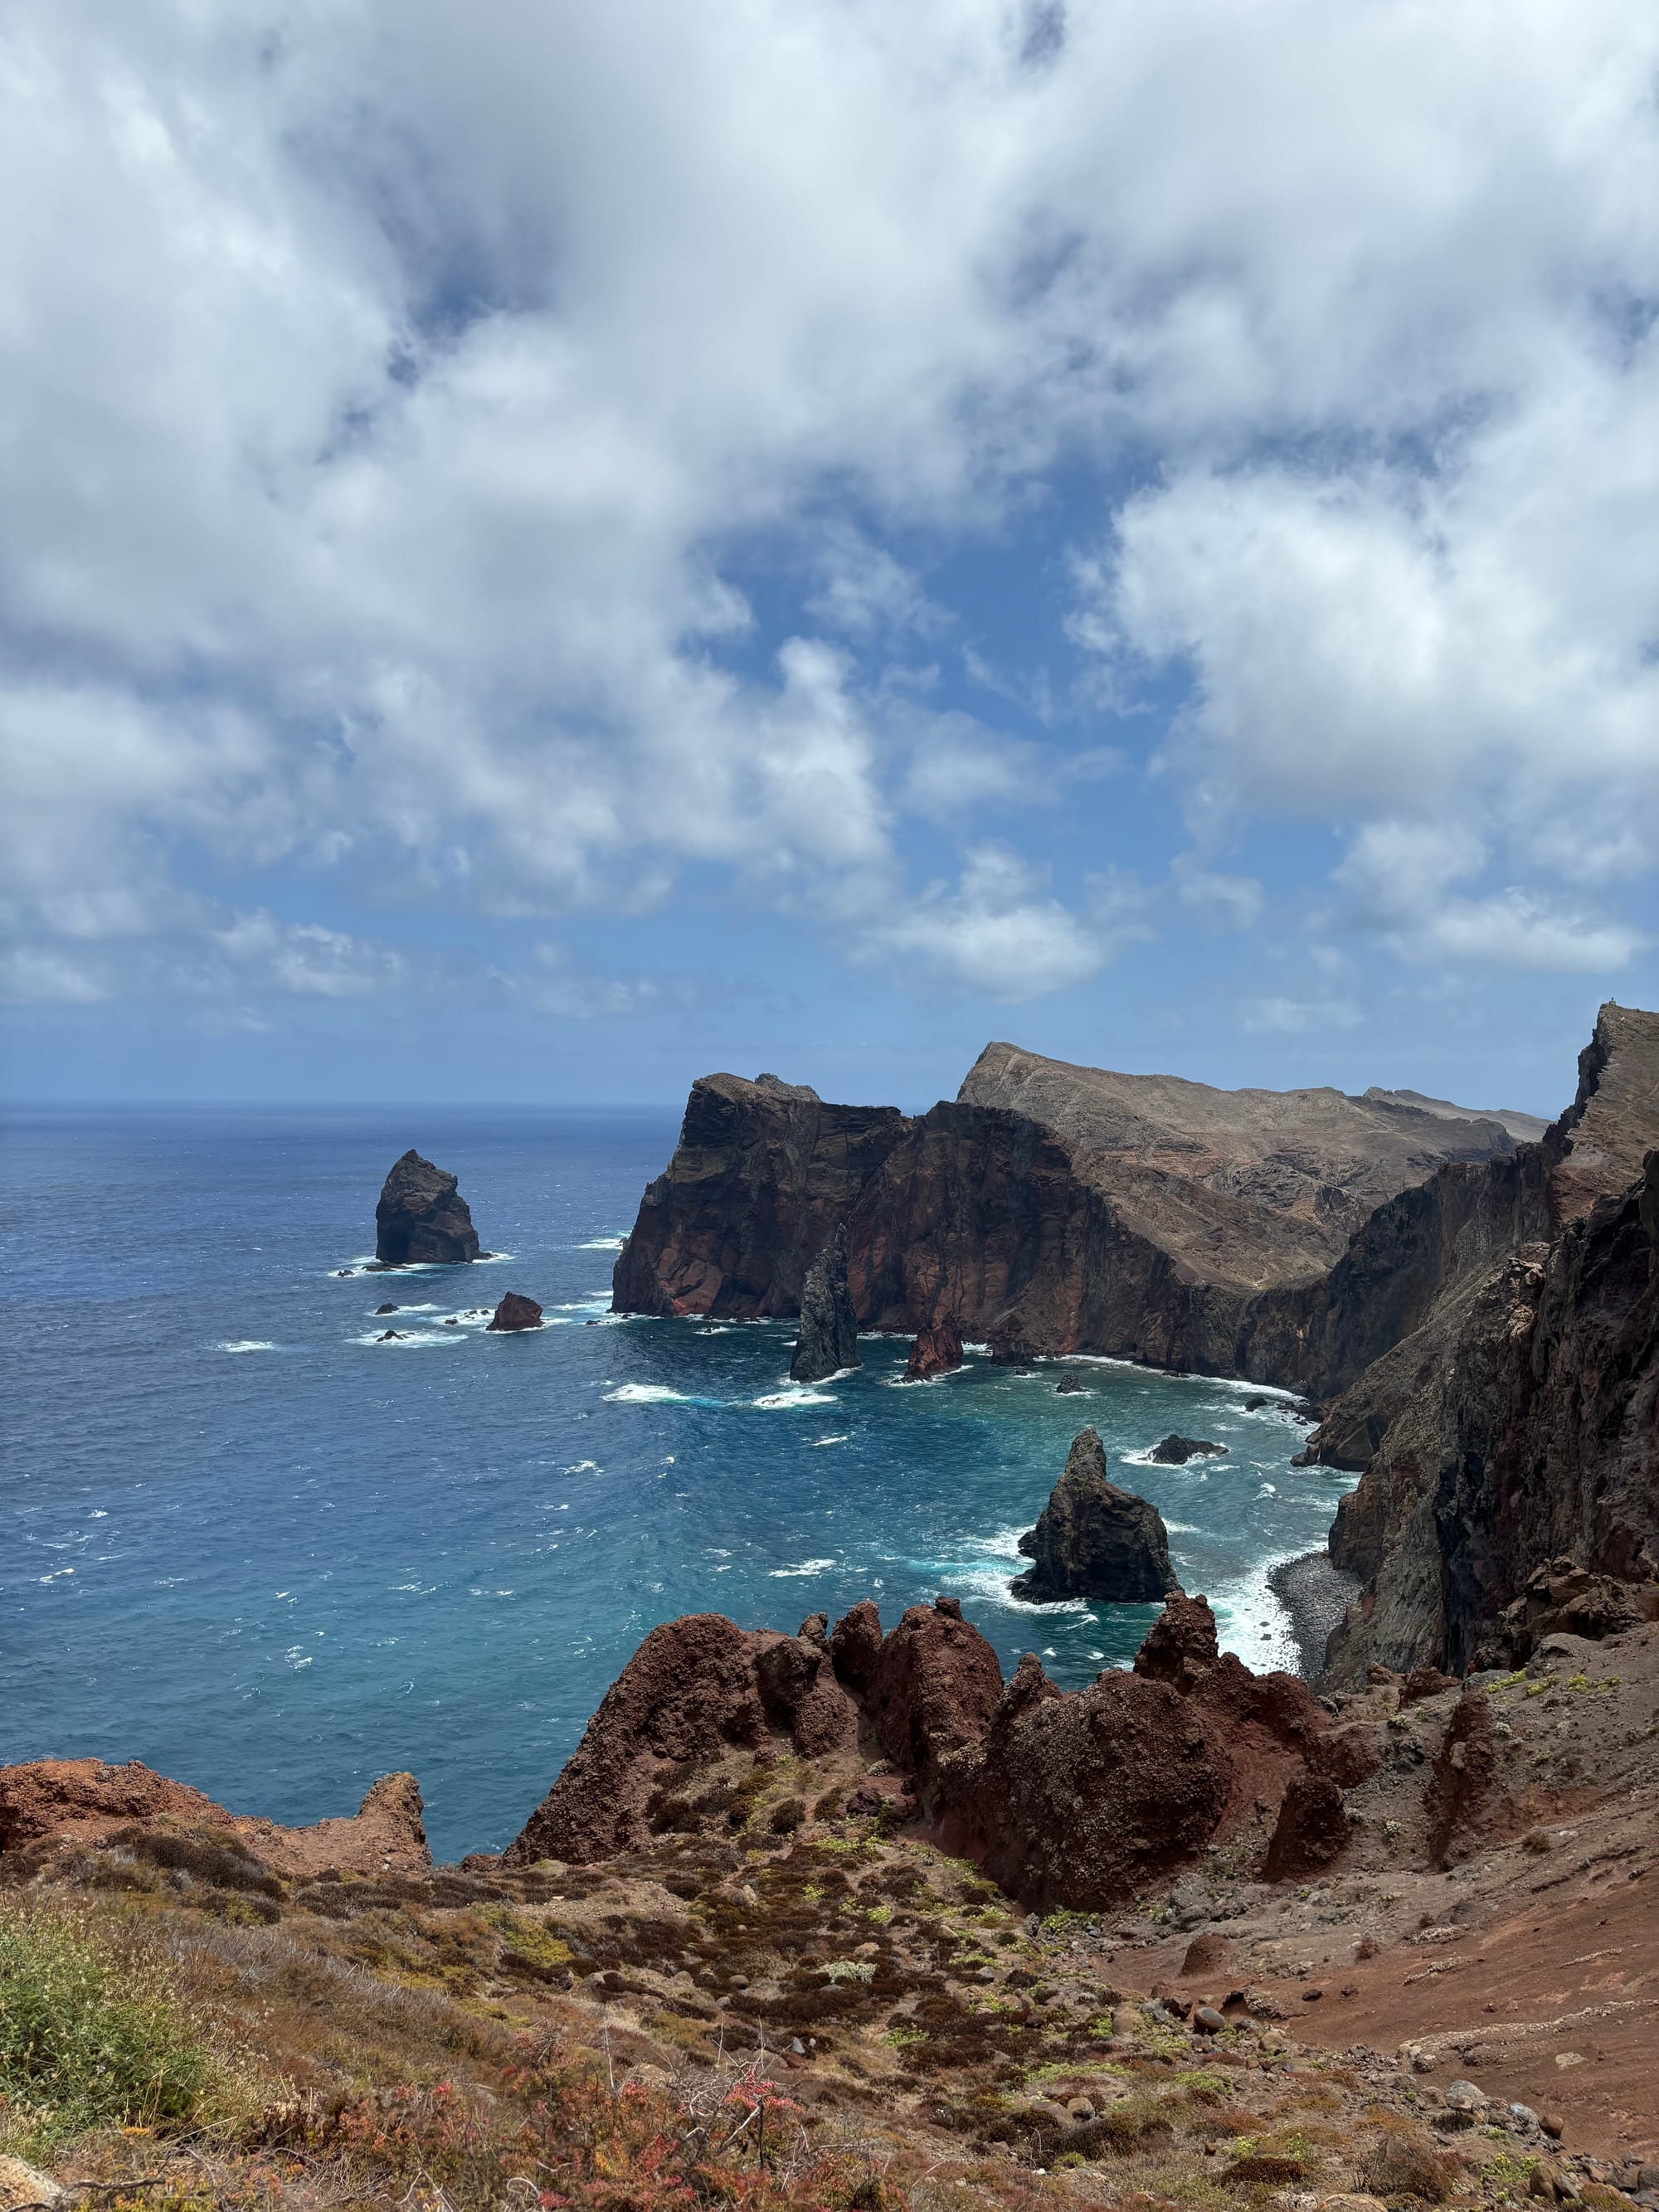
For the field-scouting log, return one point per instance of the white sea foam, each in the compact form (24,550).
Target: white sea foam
(408,1340)
(582,1467)
(818,1441)
(600,1244)
(1267,1491)
(649,1394)
(806,1567)
(248,1344)
(774,1401)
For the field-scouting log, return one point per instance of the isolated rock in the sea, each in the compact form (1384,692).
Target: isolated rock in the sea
(84,1801)
(828,1327)
(516,1312)
(389,1336)
(1176,1451)
(1068,1384)
(422,1215)
(696,1687)
(1095,1541)
(937,1349)
(386,1310)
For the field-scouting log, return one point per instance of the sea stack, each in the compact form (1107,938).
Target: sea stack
(422,1217)
(516,1312)
(1095,1541)
(937,1349)
(828,1337)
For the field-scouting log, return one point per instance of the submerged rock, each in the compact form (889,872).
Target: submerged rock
(828,1337)
(937,1349)
(1094,1540)
(1176,1451)
(516,1312)
(422,1215)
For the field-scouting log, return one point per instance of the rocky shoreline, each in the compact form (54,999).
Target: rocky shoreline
(1316,1594)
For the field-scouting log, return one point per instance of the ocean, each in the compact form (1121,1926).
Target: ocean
(252,1546)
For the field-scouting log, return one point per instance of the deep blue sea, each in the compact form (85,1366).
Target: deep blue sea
(242,1540)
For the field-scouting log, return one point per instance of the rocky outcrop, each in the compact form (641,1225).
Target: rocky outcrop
(1461,1779)
(1083,1800)
(1047,1209)
(1074,1800)
(1095,1541)
(1564,1599)
(516,1312)
(828,1338)
(1176,1451)
(1515,1424)
(422,1217)
(934,1687)
(696,1688)
(1311,1832)
(51,1801)
(937,1349)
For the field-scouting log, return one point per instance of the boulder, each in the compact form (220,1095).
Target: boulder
(828,1337)
(1176,1451)
(1095,1541)
(937,1349)
(1311,1832)
(516,1312)
(422,1217)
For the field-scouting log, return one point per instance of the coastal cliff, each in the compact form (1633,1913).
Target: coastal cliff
(1517,1421)
(1049,1208)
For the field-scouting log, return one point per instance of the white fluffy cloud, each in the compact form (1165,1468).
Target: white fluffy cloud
(391,393)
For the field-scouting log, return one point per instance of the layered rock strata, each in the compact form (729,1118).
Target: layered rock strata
(829,1339)
(422,1215)
(1095,1541)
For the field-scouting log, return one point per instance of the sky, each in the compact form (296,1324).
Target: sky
(550,549)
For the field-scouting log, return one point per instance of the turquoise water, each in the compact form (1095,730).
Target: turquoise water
(246,1543)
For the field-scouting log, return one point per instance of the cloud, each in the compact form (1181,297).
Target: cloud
(406,400)
(1285,1017)
(1229,902)
(997,933)
(1402,876)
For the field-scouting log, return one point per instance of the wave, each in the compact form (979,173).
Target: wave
(600,1244)
(410,1339)
(248,1344)
(806,1567)
(655,1393)
(776,1401)
(818,1441)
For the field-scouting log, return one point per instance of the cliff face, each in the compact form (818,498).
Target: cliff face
(1051,1207)
(1517,1422)
(761,1174)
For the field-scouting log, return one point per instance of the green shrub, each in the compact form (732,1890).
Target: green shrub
(88,2040)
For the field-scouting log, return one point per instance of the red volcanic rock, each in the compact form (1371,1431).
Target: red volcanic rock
(1347,1756)
(515,1312)
(82,1800)
(936,1684)
(855,1647)
(1311,1832)
(1425,1682)
(696,1687)
(1461,1779)
(937,1349)
(1081,1801)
